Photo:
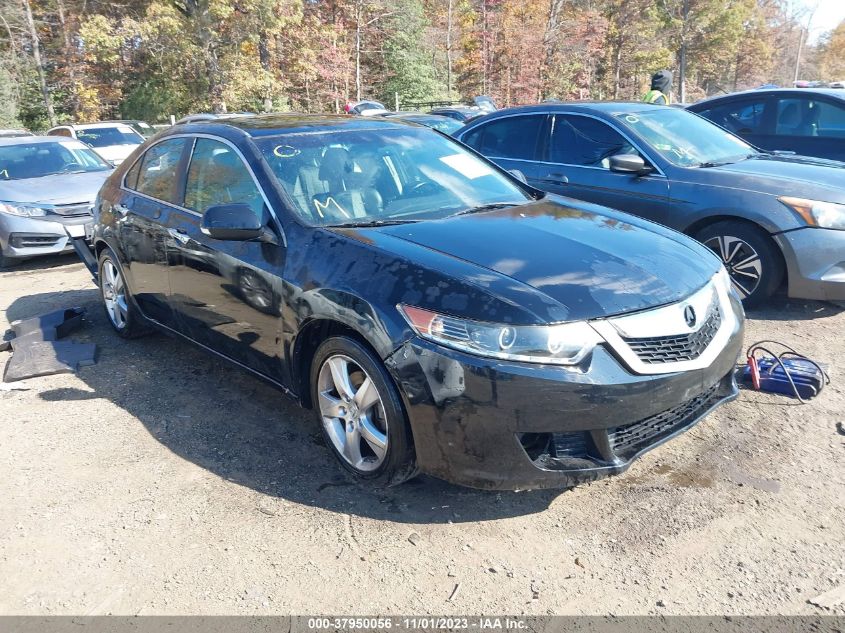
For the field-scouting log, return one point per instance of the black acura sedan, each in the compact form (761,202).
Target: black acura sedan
(438,314)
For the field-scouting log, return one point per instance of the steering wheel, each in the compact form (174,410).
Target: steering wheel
(71,166)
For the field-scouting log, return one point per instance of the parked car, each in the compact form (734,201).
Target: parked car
(440,123)
(437,313)
(464,114)
(209,116)
(807,121)
(112,141)
(767,216)
(46,185)
(366,108)
(12,133)
(141,127)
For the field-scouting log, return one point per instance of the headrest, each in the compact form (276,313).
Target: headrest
(334,164)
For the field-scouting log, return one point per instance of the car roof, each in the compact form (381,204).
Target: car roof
(291,123)
(92,126)
(608,107)
(466,108)
(831,92)
(418,115)
(20,140)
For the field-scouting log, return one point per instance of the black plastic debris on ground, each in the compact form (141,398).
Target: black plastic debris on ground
(37,350)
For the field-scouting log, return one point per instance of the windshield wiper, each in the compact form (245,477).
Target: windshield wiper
(485,207)
(368,223)
(727,161)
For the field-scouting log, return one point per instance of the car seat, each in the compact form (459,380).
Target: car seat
(340,201)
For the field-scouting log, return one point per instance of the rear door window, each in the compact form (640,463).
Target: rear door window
(157,175)
(810,117)
(512,137)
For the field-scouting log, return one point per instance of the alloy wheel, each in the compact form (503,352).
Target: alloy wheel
(352,412)
(741,261)
(114,294)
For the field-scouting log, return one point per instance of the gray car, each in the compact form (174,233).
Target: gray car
(47,188)
(771,218)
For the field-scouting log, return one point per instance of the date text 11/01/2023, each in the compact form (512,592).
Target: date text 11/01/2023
(418,623)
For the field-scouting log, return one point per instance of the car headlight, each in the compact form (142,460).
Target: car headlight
(827,215)
(562,344)
(25,210)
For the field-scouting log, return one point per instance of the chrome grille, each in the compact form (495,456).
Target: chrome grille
(72,210)
(679,347)
(638,435)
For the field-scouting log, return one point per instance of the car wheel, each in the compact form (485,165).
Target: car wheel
(750,257)
(120,309)
(361,413)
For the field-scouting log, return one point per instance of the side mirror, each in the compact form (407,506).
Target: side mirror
(234,223)
(518,175)
(628,164)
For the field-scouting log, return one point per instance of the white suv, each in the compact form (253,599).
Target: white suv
(112,141)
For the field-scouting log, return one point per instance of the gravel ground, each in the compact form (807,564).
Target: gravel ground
(163,481)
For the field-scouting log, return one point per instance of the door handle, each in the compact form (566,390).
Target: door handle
(180,235)
(121,210)
(559,179)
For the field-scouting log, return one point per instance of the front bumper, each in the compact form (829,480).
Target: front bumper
(815,263)
(22,237)
(500,425)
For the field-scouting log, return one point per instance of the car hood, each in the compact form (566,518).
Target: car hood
(56,189)
(786,175)
(592,261)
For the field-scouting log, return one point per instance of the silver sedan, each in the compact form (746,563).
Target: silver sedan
(47,184)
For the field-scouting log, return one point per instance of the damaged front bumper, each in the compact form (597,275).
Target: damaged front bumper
(499,425)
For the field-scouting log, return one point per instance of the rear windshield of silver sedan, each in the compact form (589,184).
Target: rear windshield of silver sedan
(338,177)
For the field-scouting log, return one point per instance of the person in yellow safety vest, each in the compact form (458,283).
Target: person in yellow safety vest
(661,88)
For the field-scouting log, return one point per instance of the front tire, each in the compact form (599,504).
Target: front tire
(750,257)
(360,413)
(120,309)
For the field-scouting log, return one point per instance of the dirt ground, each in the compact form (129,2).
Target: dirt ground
(163,481)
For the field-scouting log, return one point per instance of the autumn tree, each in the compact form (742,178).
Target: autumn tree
(832,54)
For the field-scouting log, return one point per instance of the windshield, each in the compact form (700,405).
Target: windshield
(35,160)
(359,176)
(685,139)
(105,136)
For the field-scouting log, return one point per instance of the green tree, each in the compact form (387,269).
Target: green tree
(407,62)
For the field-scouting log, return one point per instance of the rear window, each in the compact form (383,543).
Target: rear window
(509,137)
(105,136)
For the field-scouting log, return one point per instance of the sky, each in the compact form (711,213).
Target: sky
(828,14)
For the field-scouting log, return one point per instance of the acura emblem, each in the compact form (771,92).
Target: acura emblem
(689,315)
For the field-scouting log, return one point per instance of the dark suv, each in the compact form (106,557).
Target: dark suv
(807,121)
(438,314)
